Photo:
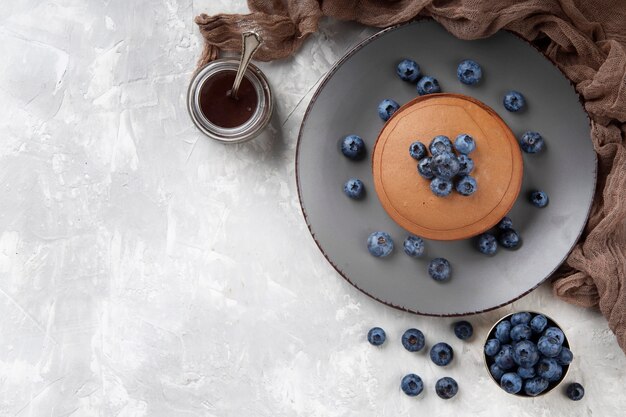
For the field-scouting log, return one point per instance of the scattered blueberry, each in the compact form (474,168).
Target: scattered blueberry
(441,187)
(466,185)
(439,269)
(441,354)
(414,246)
(412,385)
(496,371)
(463,329)
(487,244)
(492,347)
(423,167)
(549,346)
(408,70)
(521,332)
(575,391)
(505,223)
(445,165)
(417,150)
(380,244)
(539,199)
(446,387)
(428,85)
(440,144)
(520,318)
(353,147)
(503,331)
(531,142)
(514,101)
(538,323)
(466,165)
(535,386)
(376,336)
(525,353)
(413,340)
(387,108)
(469,72)
(549,369)
(354,188)
(526,373)
(504,358)
(565,357)
(464,144)
(511,383)
(509,239)
(556,333)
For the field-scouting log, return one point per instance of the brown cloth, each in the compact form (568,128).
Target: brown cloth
(587,41)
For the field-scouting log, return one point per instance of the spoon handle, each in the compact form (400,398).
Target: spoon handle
(250,43)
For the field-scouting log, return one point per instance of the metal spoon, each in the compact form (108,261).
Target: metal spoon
(250,43)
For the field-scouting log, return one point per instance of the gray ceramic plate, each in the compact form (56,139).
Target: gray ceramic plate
(346,103)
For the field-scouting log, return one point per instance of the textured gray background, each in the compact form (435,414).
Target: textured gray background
(147,271)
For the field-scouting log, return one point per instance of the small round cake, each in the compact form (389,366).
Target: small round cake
(406,196)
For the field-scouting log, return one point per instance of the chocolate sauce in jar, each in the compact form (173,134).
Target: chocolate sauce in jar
(219,107)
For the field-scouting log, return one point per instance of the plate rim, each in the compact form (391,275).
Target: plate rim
(331,72)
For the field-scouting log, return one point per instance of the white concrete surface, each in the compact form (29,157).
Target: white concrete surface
(148,271)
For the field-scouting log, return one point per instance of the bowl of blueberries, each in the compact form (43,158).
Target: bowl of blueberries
(527,354)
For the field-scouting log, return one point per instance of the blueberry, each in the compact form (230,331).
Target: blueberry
(446,387)
(466,165)
(565,357)
(387,108)
(487,244)
(414,246)
(412,385)
(531,142)
(520,318)
(466,185)
(505,223)
(549,369)
(513,101)
(509,239)
(526,373)
(503,331)
(354,188)
(423,167)
(464,144)
(496,371)
(575,391)
(439,269)
(556,333)
(428,85)
(441,354)
(538,323)
(408,70)
(535,386)
(463,329)
(445,165)
(417,150)
(521,332)
(469,72)
(525,353)
(353,147)
(504,358)
(511,383)
(441,187)
(539,199)
(380,244)
(413,340)
(440,144)
(376,336)
(492,347)
(549,346)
